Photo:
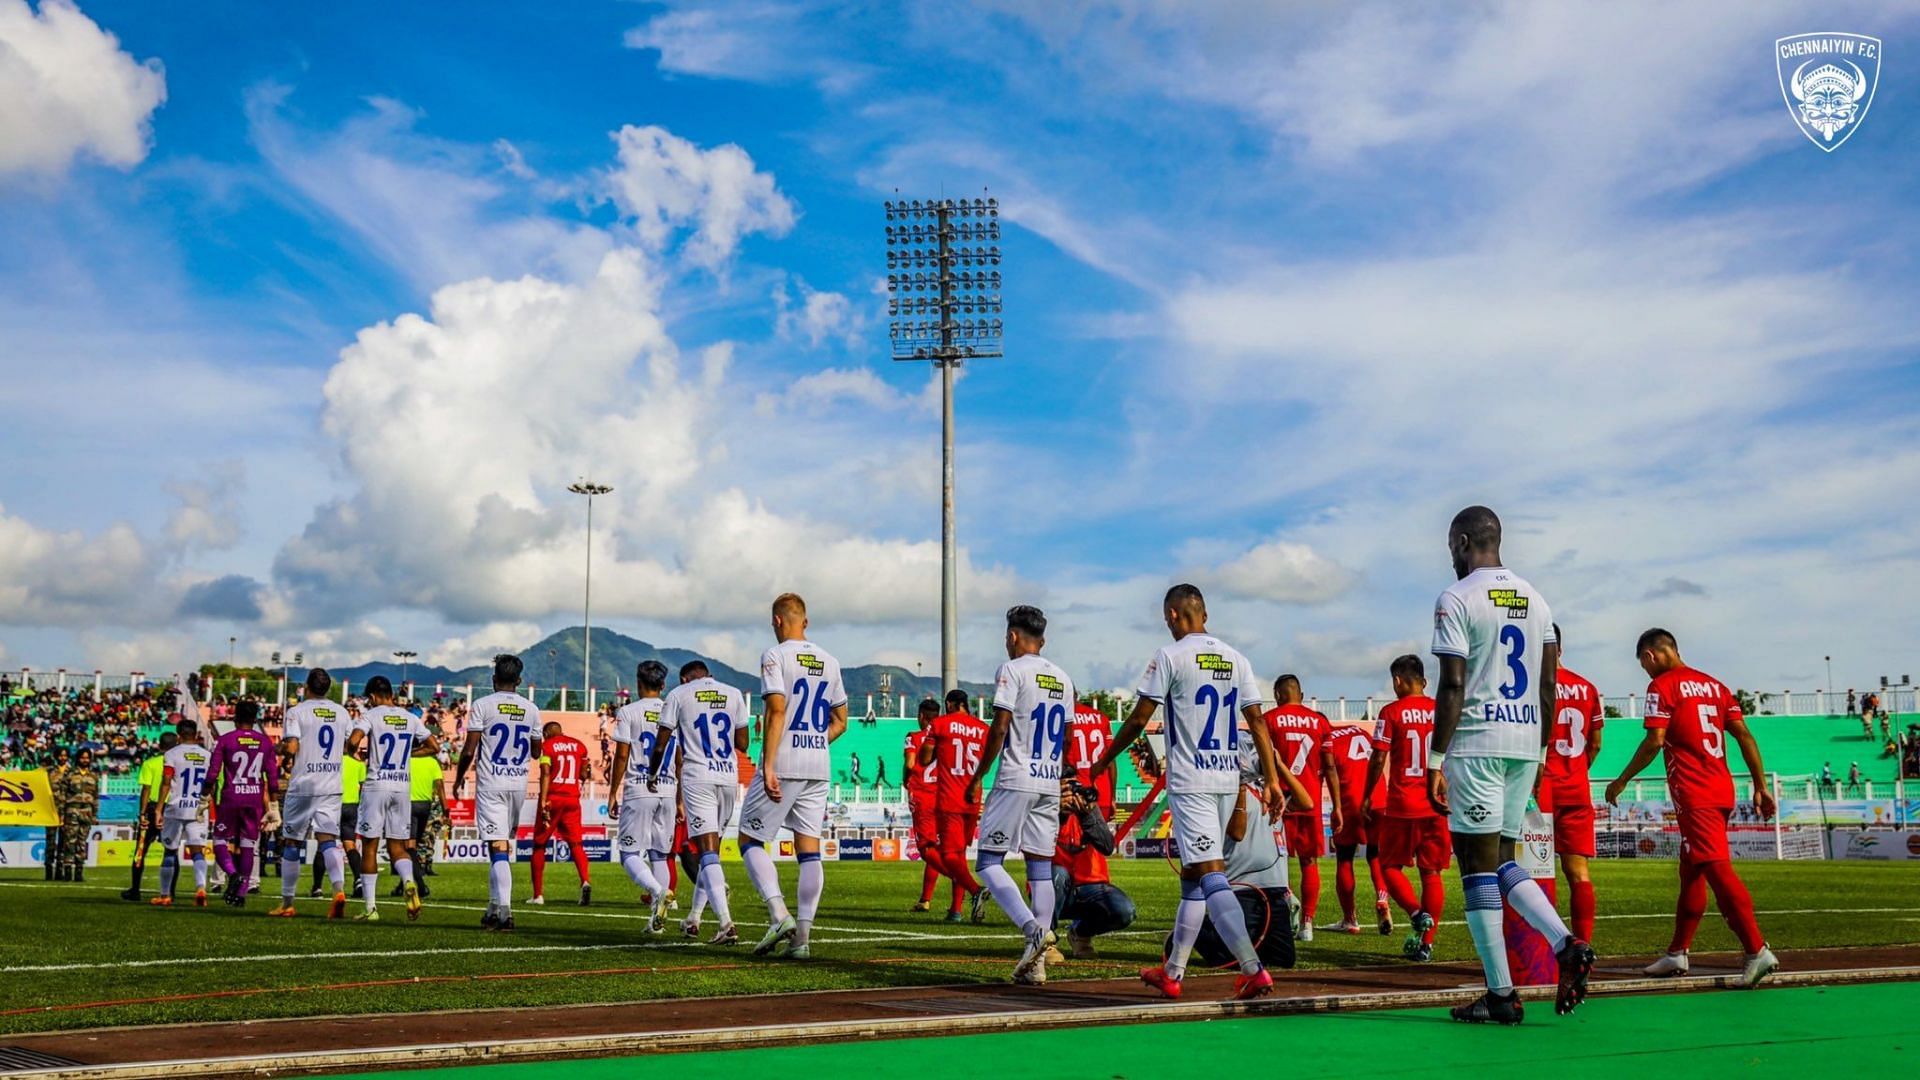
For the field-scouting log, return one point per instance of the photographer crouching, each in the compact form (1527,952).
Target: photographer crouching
(1086,900)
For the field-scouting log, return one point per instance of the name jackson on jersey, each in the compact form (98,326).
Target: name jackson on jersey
(1208,754)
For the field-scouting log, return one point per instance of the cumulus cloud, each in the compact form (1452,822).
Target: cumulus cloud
(1283,572)
(818,317)
(482,645)
(752,40)
(68,90)
(663,182)
(55,578)
(231,598)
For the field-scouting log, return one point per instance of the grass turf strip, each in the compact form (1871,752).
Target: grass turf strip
(79,945)
(1866,1030)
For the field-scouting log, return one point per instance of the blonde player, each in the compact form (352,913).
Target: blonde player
(709,717)
(503,735)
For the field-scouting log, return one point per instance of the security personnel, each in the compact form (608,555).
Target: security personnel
(57,789)
(79,809)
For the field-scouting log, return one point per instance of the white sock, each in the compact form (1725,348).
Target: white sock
(502,880)
(336,861)
(1007,894)
(1041,889)
(813,882)
(169,872)
(1530,900)
(199,870)
(662,872)
(1230,921)
(289,878)
(716,884)
(642,875)
(699,901)
(404,867)
(766,880)
(1187,920)
(370,887)
(1484,918)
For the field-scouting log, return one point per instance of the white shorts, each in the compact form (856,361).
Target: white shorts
(1026,821)
(385,815)
(708,806)
(1200,824)
(497,813)
(1487,794)
(802,808)
(646,824)
(182,832)
(303,817)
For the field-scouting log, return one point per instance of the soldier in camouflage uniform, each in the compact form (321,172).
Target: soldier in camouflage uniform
(436,828)
(79,809)
(57,786)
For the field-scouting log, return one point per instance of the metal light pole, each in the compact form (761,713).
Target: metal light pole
(1829,674)
(405,656)
(943,259)
(589,489)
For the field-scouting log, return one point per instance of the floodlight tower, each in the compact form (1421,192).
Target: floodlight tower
(943,280)
(589,489)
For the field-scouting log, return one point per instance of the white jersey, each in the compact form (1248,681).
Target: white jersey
(321,728)
(1203,683)
(637,725)
(509,725)
(705,713)
(392,733)
(190,763)
(809,678)
(1039,697)
(1499,625)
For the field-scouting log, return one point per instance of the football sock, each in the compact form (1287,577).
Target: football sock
(929,879)
(716,886)
(640,872)
(957,898)
(169,872)
(1005,892)
(321,866)
(336,861)
(223,857)
(662,870)
(244,864)
(1040,884)
(1530,900)
(500,880)
(404,867)
(766,880)
(539,861)
(1401,889)
(1309,889)
(1375,871)
(1433,901)
(1483,922)
(289,872)
(1343,886)
(370,887)
(1583,909)
(578,845)
(1736,906)
(199,869)
(699,901)
(1230,920)
(1691,906)
(813,882)
(1187,920)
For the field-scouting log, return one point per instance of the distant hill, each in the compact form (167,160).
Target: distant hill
(555,660)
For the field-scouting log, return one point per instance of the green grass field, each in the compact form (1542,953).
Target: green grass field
(81,945)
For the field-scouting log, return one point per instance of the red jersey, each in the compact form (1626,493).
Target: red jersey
(1694,708)
(1405,735)
(1089,734)
(1352,755)
(1576,721)
(958,740)
(1300,736)
(920,779)
(1085,865)
(565,758)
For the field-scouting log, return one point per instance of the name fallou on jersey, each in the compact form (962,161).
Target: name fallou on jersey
(1215,759)
(802,734)
(1521,707)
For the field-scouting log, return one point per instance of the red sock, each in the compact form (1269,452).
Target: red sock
(1343,887)
(1691,907)
(1730,893)
(1309,889)
(1433,901)
(580,862)
(957,899)
(539,869)
(1379,879)
(929,878)
(1583,911)
(1400,889)
(673,874)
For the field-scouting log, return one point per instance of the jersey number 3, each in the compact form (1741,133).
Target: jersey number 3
(1514,640)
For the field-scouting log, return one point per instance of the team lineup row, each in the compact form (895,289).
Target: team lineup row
(1469,756)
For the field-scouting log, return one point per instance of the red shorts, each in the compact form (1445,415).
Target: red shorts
(1573,829)
(1415,841)
(1306,838)
(561,818)
(1353,826)
(682,843)
(926,820)
(957,830)
(1703,834)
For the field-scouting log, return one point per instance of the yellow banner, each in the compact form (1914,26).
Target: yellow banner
(27,799)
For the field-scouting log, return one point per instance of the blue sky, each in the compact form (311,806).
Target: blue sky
(310,315)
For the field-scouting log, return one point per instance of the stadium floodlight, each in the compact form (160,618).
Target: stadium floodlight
(588,488)
(406,658)
(941,265)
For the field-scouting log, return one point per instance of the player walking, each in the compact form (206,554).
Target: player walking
(646,814)
(1352,748)
(1408,830)
(245,778)
(1031,700)
(503,737)
(1207,688)
(709,718)
(806,709)
(313,742)
(563,768)
(183,779)
(1689,716)
(1493,635)
(922,781)
(392,737)
(954,748)
(1303,739)
(147,829)
(1564,789)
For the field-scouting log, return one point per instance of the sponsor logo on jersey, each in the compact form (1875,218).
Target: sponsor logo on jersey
(393,721)
(1203,843)
(1478,814)
(510,710)
(1054,687)
(813,664)
(1221,667)
(325,714)
(1513,600)
(1827,81)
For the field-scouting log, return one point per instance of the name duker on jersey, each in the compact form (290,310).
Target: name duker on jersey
(1208,754)
(1526,709)
(805,736)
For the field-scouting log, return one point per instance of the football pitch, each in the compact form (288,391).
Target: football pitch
(76,955)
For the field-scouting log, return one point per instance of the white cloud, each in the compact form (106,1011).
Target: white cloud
(67,90)
(818,318)
(482,645)
(208,515)
(663,182)
(51,578)
(1282,572)
(753,41)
